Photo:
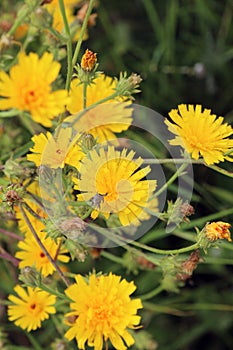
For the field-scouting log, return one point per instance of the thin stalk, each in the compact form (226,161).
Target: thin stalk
(54,292)
(151,294)
(86,215)
(6,256)
(52,261)
(80,39)
(84,95)
(173,160)
(221,171)
(35,199)
(11,234)
(171,180)
(10,113)
(35,344)
(32,212)
(162,251)
(68,45)
(112,257)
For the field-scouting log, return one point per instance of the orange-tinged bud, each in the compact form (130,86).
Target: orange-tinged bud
(218,230)
(88,61)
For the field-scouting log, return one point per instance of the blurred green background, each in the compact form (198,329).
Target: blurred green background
(184,52)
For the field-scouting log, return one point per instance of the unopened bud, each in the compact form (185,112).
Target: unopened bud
(218,230)
(12,196)
(88,141)
(88,61)
(126,86)
(29,276)
(59,344)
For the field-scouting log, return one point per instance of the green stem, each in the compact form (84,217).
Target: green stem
(112,257)
(80,39)
(171,180)
(173,160)
(151,294)
(163,309)
(41,245)
(57,34)
(68,45)
(162,251)
(218,261)
(54,292)
(206,306)
(9,113)
(35,344)
(84,95)
(32,212)
(221,171)
(86,215)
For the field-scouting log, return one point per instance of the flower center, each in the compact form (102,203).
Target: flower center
(32,95)
(33,306)
(103,314)
(197,142)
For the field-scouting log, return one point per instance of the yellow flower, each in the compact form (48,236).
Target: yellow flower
(32,255)
(104,120)
(31,307)
(218,230)
(56,151)
(28,87)
(103,311)
(200,133)
(113,180)
(58,24)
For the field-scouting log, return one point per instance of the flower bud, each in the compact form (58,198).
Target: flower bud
(126,86)
(88,61)
(88,142)
(29,276)
(218,230)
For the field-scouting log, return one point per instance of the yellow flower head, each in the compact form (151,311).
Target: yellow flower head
(103,311)
(200,133)
(56,151)
(28,87)
(31,307)
(58,24)
(113,181)
(31,253)
(104,120)
(218,230)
